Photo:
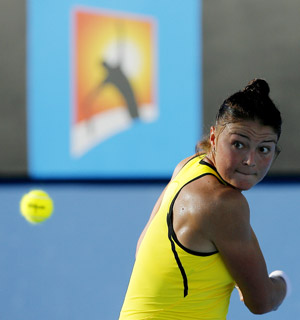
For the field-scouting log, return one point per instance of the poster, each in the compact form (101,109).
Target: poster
(114,88)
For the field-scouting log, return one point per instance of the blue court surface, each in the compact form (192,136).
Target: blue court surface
(77,264)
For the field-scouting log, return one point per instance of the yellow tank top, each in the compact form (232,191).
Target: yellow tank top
(170,281)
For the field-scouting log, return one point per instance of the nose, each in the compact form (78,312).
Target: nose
(249,159)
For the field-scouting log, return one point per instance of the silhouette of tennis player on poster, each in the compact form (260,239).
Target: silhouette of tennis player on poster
(116,77)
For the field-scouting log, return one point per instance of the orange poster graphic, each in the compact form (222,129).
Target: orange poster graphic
(114,75)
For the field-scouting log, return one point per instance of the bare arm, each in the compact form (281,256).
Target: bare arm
(239,248)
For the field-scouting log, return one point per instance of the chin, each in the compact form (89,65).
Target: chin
(244,185)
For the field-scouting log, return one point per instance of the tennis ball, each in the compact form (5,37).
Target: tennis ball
(36,206)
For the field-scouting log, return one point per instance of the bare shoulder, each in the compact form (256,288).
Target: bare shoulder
(217,207)
(212,205)
(229,217)
(229,206)
(230,201)
(219,198)
(203,210)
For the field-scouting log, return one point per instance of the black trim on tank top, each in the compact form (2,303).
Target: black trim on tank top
(202,161)
(183,274)
(206,164)
(170,222)
(173,238)
(214,168)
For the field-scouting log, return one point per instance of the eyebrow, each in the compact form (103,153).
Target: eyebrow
(244,136)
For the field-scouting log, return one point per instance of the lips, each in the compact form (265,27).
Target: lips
(246,173)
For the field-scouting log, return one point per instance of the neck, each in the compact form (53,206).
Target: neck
(210,159)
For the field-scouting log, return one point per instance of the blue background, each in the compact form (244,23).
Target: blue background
(145,150)
(77,264)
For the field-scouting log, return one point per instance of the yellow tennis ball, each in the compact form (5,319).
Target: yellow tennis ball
(36,206)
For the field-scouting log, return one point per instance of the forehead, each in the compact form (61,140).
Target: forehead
(252,130)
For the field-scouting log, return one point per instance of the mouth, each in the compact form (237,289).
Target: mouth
(246,173)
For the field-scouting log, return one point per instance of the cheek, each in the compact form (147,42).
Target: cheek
(228,156)
(227,161)
(266,163)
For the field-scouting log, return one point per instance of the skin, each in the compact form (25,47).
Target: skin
(243,152)
(209,216)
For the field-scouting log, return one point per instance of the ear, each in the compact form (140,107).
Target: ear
(212,137)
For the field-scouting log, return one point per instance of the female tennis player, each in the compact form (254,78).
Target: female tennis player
(198,243)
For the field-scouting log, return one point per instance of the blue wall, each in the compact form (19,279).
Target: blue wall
(77,264)
(140,150)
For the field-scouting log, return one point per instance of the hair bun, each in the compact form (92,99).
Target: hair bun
(259,86)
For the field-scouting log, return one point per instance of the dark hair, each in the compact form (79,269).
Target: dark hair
(251,103)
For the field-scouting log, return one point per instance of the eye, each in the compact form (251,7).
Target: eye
(238,144)
(264,149)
